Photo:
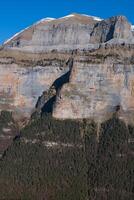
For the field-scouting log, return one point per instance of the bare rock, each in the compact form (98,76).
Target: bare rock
(71,32)
(95,91)
(112,28)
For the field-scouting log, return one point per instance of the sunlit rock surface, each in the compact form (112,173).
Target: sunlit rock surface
(95,91)
(20,85)
(72,32)
(91,59)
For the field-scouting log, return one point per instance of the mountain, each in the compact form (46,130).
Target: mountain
(93,55)
(77,66)
(65,160)
(72,31)
(67,110)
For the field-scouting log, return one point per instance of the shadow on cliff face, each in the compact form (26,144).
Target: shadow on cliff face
(48,106)
(59,82)
(46,101)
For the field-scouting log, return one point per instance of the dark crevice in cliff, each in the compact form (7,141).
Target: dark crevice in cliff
(48,106)
(59,82)
(110,33)
(47,99)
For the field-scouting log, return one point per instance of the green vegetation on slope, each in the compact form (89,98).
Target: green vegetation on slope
(47,162)
(8,130)
(63,160)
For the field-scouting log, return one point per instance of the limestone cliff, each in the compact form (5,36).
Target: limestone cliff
(74,67)
(24,77)
(97,90)
(72,32)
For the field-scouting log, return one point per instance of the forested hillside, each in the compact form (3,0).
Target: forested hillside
(65,160)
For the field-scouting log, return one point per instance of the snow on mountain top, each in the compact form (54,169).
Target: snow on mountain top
(42,20)
(45,19)
(15,35)
(94,17)
(132,27)
(67,16)
(49,19)
(73,15)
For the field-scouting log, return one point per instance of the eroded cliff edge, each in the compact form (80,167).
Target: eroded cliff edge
(100,83)
(25,76)
(74,67)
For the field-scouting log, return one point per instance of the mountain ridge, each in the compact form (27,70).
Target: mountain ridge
(71,32)
(100,80)
(48,19)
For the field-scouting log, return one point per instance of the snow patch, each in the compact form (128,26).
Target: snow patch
(94,17)
(16,35)
(42,20)
(67,16)
(132,27)
(73,15)
(51,19)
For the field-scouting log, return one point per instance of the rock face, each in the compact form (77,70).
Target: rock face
(100,84)
(22,82)
(74,67)
(113,28)
(72,32)
(96,91)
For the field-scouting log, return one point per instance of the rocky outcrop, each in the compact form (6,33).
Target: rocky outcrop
(113,28)
(47,99)
(23,81)
(74,67)
(71,32)
(97,90)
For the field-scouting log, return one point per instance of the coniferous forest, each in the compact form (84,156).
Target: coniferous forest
(67,160)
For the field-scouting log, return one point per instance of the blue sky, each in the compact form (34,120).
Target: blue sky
(18,14)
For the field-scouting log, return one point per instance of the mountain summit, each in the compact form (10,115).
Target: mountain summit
(74,67)
(72,32)
(69,83)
